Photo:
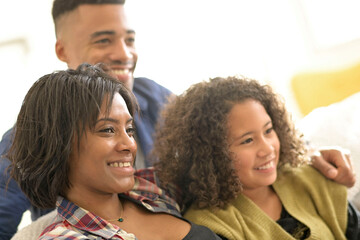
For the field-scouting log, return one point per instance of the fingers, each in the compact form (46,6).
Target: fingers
(348,159)
(327,169)
(339,159)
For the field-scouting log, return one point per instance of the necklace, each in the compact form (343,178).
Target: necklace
(120,219)
(116,219)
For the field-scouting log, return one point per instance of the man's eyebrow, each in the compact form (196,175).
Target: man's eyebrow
(130,31)
(100,33)
(109,32)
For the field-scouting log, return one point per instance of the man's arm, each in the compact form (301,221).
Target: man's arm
(334,163)
(13,203)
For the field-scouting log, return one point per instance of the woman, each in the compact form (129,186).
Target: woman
(231,148)
(74,147)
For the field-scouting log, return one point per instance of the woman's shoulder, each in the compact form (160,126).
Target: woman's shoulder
(60,231)
(33,230)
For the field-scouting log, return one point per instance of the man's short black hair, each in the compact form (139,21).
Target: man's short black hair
(63,6)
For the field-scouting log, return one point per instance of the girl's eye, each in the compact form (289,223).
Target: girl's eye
(248,140)
(269,130)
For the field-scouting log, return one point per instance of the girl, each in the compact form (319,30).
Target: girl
(231,148)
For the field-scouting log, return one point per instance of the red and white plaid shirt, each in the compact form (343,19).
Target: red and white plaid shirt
(74,222)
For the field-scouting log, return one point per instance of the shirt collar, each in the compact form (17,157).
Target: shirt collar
(145,192)
(85,220)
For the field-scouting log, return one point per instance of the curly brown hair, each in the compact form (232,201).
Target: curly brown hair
(57,109)
(191,145)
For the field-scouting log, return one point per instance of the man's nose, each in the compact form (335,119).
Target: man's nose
(121,52)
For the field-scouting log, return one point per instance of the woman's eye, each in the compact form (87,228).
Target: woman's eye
(107,130)
(130,131)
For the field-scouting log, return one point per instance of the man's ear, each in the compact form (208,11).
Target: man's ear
(60,51)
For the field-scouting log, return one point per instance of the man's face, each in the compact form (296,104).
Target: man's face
(98,33)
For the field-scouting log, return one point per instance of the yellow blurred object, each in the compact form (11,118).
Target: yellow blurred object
(317,89)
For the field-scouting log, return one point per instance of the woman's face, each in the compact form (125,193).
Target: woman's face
(103,163)
(254,145)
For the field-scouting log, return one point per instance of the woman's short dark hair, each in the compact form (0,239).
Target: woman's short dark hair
(57,109)
(191,141)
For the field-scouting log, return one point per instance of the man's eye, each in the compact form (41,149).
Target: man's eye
(130,41)
(102,41)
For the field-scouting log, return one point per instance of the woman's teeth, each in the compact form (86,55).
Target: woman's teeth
(120,164)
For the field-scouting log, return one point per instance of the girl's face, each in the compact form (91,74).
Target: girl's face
(254,145)
(103,164)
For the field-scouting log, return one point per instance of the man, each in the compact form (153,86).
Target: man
(97,31)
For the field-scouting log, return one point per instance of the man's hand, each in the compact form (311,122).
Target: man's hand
(334,163)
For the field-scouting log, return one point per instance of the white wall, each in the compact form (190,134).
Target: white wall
(182,42)
(27,52)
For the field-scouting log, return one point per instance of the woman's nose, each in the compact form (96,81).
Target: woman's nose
(126,142)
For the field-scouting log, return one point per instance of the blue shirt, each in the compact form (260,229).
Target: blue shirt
(13,203)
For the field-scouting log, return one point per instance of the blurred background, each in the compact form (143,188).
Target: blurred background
(183,42)
(299,47)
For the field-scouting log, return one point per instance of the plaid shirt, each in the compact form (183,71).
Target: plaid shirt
(74,222)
